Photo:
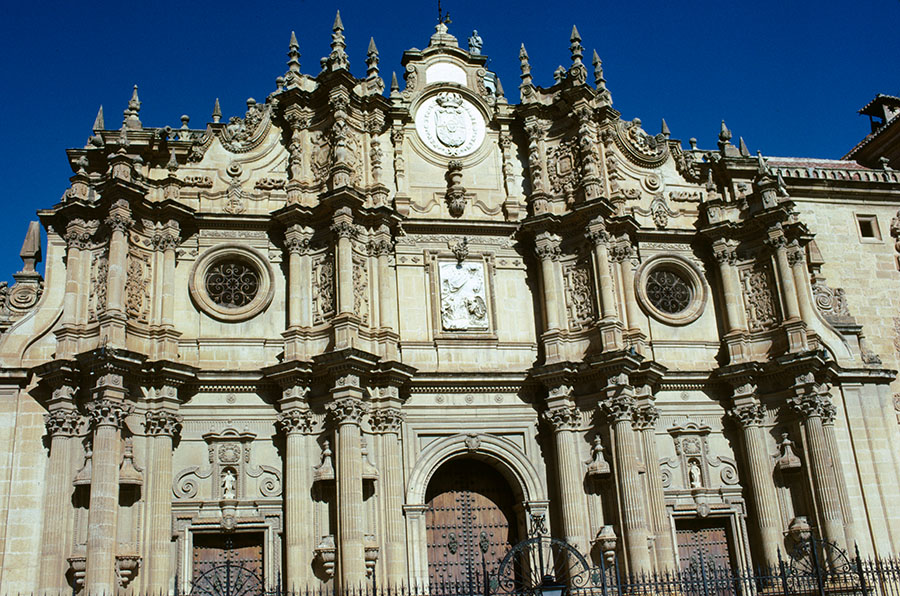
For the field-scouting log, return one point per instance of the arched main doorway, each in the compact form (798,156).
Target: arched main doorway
(470,524)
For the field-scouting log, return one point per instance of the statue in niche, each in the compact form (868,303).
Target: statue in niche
(463,301)
(694,474)
(228,484)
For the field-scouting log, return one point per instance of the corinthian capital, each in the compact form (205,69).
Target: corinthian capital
(546,246)
(119,221)
(107,412)
(294,421)
(619,408)
(347,410)
(748,414)
(563,418)
(813,405)
(386,420)
(63,422)
(162,422)
(645,417)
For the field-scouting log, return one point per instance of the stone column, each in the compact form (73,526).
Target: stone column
(387,422)
(610,325)
(107,414)
(725,253)
(296,424)
(162,427)
(63,422)
(846,511)
(796,259)
(546,246)
(778,242)
(565,420)
(168,241)
(619,408)
(627,260)
(749,414)
(113,320)
(296,241)
(346,413)
(344,229)
(645,418)
(387,283)
(813,404)
(76,242)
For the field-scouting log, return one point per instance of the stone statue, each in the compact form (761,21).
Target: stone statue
(475,43)
(228,481)
(695,476)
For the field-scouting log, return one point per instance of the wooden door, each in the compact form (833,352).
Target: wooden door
(228,564)
(470,525)
(706,556)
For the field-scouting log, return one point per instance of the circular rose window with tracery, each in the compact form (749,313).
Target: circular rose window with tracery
(668,291)
(232,282)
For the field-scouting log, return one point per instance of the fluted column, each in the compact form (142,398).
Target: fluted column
(168,241)
(813,404)
(162,427)
(76,242)
(565,420)
(610,324)
(387,422)
(296,424)
(749,414)
(725,253)
(346,413)
(645,417)
(778,242)
(296,241)
(546,246)
(113,320)
(844,498)
(626,258)
(796,259)
(619,408)
(344,230)
(63,422)
(107,414)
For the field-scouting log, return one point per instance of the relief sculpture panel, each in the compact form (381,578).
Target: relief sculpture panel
(463,299)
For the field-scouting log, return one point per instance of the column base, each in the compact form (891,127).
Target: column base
(612,335)
(796,335)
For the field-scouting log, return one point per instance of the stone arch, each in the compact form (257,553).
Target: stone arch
(500,453)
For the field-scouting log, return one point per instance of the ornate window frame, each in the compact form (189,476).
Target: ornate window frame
(689,271)
(245,254)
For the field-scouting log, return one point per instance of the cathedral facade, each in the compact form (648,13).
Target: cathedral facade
(366,332)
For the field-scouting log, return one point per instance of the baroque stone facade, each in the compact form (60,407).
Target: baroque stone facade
(284,330)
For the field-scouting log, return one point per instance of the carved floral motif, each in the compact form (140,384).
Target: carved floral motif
(579,295)
(137,286)
(759,300)
(323,287)
(361,288)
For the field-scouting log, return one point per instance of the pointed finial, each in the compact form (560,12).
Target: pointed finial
(338,59)
(217,112)
(744,151)
(782,187)
(98,121)
(710,184)
(31,248)
(762,168)
(293,54)
(372,59)
(559,74)
(578,71)
(131,119)
(664,129)
(395,86)
(724,133)
(499,88)
(599,81)
(525,66)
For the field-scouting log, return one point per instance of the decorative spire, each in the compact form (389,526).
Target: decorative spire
(372,59)
(395,86)
(744,151)
(217,112)
(762,168)
(499,88)
(664,129)
(293,55)
(338,59)
(577,71)
(724,134)
(98,121)
(525,66)
(134,107)
(599,81)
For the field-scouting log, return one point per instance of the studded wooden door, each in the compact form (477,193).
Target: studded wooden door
(470,525)
(228,564)
(706,556)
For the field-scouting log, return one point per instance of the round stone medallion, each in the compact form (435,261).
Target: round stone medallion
(450,125)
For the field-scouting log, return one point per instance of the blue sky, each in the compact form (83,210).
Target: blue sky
(787,76)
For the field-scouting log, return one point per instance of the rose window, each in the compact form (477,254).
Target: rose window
(668,291)
(232,283)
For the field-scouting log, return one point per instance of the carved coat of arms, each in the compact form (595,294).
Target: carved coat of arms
(450,120)
(463,302)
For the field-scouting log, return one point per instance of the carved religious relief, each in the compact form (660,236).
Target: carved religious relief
(759,298)
(361,288)
(579,294)
(564,164)
(137,286)
(240,135)
(323,287)
(463,297)
(693,460)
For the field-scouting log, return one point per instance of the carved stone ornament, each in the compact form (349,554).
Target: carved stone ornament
(294,421)
(645,417)
(347,410)
(748,414)
(323,287)
(641,148)
(618,408)
(162,422)
(107,412)
(563,418)
(450,125)
(62,423)
(759,299)
(694,460)
(386,420)
(243,134)
(787,460)
(579,294)
(597,466)
(814,405)
(361,288)
(463,297)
